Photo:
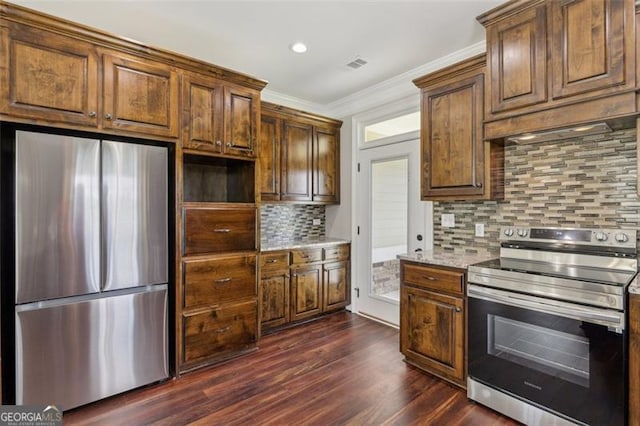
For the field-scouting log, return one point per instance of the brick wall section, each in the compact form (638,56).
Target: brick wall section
(285,222)
(580,183)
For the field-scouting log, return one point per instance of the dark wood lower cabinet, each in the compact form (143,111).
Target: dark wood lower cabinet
(302,284)
(219,333)
(336,291)
(306,291)
(432,320)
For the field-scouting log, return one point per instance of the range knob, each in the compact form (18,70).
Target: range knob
(508,232)
(622,237)
(601,236)
(522,233)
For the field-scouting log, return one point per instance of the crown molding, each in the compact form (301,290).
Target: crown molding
(387,91)
(396,87)
(293,102)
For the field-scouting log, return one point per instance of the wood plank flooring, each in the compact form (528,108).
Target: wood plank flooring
(340,370)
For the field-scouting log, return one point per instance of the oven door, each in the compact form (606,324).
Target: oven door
(554,355)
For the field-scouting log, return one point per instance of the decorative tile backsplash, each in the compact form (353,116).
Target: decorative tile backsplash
(581,183)
(285,222)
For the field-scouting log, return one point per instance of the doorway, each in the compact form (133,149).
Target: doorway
(391,220)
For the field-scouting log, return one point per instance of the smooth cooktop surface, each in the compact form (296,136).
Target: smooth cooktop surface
(582,273)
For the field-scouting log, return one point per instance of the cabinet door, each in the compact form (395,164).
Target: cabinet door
(336,286)
(48,76)
(452,145)
(240,123)
(274,294)
(306,292)
(591,45)
(517,60)
(296,162)
(202,113)
(432,331)
(140,96)
(269,156)
(326,165)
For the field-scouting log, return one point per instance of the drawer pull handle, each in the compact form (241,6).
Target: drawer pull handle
(272,261)
(222,280)
(305,256)
(426,277)
(222,230)
(223,330)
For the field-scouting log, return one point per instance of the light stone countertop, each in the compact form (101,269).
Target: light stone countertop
(302,243)
(634,287)
(442,258)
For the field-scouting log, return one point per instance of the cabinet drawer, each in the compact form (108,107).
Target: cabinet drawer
(306,255)
(336,253)
(211,230)
(433,278)
(220,332)
(272,262)
(212,281)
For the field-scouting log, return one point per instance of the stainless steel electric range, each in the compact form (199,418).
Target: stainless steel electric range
(547,328)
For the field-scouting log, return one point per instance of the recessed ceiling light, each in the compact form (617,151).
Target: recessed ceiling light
(298,47)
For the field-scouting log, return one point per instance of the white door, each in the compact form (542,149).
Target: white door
(392,220)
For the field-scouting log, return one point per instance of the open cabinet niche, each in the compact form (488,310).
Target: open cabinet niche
(218,180)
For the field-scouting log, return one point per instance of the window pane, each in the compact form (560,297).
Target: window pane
(390,202)
(391,127)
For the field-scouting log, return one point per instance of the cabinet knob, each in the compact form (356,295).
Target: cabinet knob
(229,144)
(92,114)
(108,116)
(219,143)
(458,309)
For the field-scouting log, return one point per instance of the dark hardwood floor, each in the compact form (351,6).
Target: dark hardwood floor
(340,370)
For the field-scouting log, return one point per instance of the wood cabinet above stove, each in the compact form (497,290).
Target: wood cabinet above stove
(553,64)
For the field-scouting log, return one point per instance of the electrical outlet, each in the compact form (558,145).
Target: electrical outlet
(316,222)
(479,229)
(448,220)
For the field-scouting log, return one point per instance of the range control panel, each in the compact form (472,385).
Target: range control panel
(592,237)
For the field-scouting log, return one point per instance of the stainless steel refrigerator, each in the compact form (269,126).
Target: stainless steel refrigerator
(91,244)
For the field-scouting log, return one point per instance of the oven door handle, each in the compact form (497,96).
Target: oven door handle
(553,307)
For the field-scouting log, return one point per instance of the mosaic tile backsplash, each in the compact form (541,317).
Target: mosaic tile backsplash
(286,222)
(584,182)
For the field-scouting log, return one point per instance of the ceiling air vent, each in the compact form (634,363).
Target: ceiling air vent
(357,63)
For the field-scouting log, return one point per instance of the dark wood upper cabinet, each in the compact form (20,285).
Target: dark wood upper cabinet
(326,163)
(269,157)
(46,76)
(202,112)
(217,118)
(591,45)
(139,95)
(296,161)
(456,162)
(558,63)
(517,66)
(299,156)
(240,121)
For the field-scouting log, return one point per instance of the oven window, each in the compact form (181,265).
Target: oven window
(556,353)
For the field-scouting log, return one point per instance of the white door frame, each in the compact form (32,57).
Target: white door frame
(359,247)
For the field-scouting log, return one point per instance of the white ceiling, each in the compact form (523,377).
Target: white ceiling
(253,37)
